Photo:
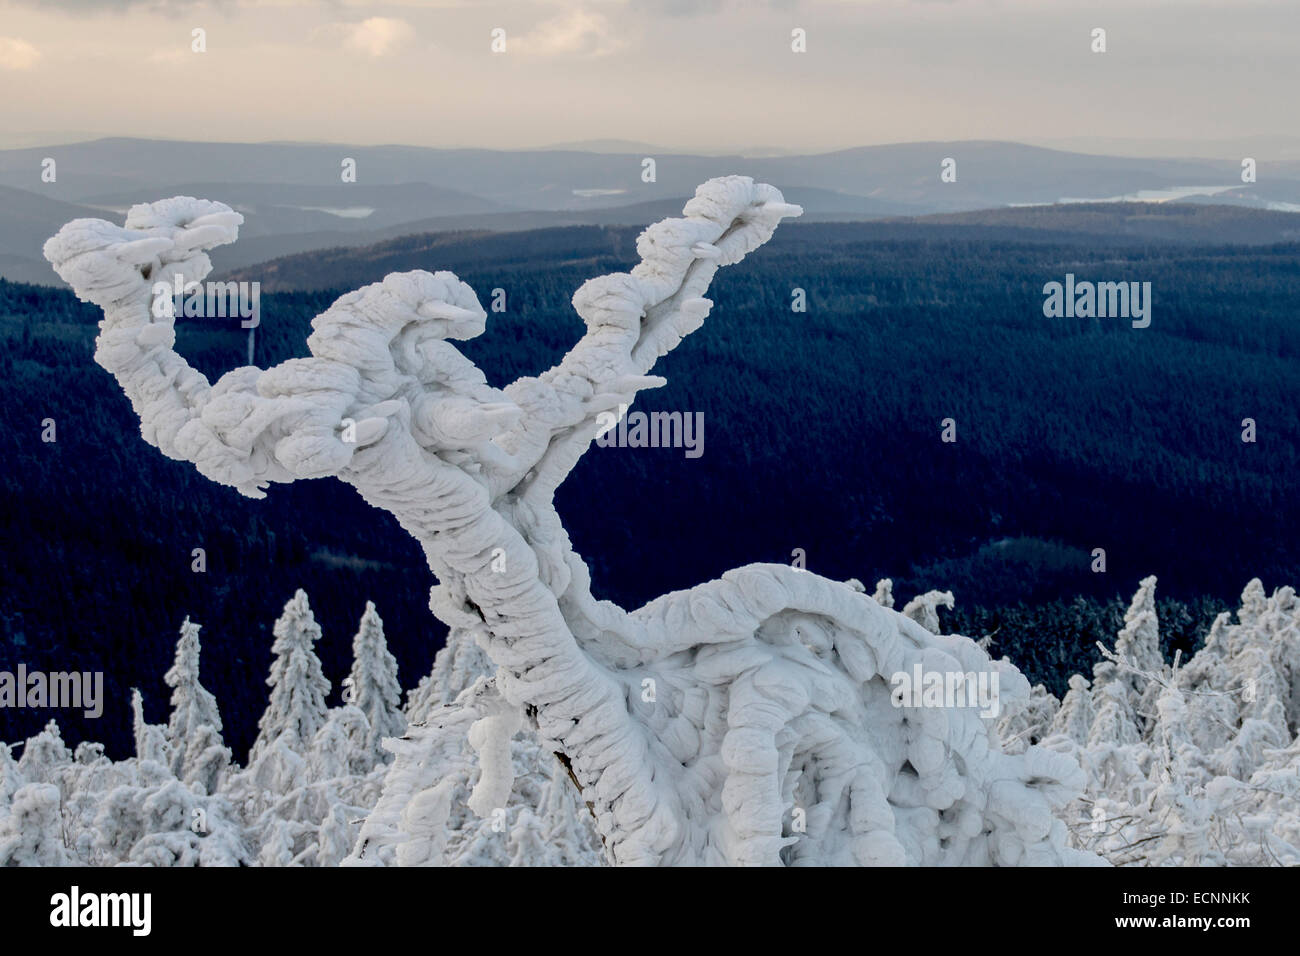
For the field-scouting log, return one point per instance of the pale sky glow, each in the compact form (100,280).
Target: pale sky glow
(674,73)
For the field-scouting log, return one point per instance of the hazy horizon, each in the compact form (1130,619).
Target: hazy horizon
(1278,147)
(1193,78)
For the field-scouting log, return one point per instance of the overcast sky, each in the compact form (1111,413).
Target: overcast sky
(713,74)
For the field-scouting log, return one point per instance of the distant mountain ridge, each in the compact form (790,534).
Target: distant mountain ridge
(1109,223)
(26,221)
(295,200)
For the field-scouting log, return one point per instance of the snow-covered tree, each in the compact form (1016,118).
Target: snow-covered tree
(336,836)
(194,730)
(44,756)
(768,675)
(11,777)
(298,686)
(151,745)
(341,748)
(424,818)
(168,824)
(372,686)
(1138,646)
(1029,724)
(924,609)
(32,832)
(1075,716)
(1190,765)
(456,666)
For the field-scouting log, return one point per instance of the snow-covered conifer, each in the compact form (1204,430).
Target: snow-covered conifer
(298,686)
(456,666)
(152,751)
(44,756)
(373,684)
(341,748)
(336,836)
(194,730)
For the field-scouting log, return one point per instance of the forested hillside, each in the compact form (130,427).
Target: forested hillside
(821,433)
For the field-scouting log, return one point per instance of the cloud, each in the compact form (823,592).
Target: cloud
(377,36)
(578,33)
(679,8)
(16,54)
(114,6)
(171,57)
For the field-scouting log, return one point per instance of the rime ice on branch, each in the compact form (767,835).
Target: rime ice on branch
(770,736)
